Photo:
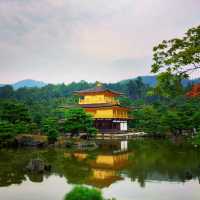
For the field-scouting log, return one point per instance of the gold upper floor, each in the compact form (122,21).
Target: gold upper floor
(111,113)
(98,99)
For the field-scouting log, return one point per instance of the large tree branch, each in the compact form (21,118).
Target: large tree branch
(196,66)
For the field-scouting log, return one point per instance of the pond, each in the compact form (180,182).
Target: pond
(147,170)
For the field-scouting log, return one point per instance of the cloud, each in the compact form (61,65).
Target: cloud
(66,40)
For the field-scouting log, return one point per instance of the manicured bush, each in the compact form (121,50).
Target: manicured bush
(77,121)
(52,135)
(84,193)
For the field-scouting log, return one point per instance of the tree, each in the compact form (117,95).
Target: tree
(84,193)
(177,116)
(50,123)
(50,127)
(77,120)
(21,127)
(136,88)
(148,119)
(52,135)
(178,56)
(168,85)
(7,130)
(14,112)
(172,122)
(14,119)
(6,92)
(176,59)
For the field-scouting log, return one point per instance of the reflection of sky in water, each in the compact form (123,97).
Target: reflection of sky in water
(52,188)
(127,190)
(55,187)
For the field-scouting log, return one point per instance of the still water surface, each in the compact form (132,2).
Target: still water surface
(148,170)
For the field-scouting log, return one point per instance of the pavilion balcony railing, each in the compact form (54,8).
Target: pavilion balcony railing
(84,101)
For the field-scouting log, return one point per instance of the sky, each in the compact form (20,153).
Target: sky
(58,41)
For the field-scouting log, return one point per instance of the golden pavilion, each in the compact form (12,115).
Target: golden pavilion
(105,168)
(108,114)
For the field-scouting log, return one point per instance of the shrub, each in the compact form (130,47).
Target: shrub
(7,130)
(84,193)
(92,131)
(77,120)
(52,135)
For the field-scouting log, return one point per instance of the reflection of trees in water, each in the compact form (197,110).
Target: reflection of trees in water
(162,161)
(152,160)
(13,164)
(12,167)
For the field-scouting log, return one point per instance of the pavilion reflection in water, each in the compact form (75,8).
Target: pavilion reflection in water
(106,167)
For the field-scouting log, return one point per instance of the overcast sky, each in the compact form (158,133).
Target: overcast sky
(70,40)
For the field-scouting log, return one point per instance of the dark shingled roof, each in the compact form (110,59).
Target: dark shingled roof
(97,90)
(100,105)
(96,105)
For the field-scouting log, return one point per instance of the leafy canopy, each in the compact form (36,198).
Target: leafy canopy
(77,120)
(178,56)
(175,59)
(173,117)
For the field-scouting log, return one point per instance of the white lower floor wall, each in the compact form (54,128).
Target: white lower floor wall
(124,145)
(123,126)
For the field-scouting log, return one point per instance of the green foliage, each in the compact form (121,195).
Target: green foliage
(6,92)
(91,131)
(148,119)
(168,85)
(7,130)
(84,193)
(33,128)
(179,55)
(136,89)
(52,135)
(125,101)
(22,127)
(14,119)
(51,127)
(14,112)
(176,58)
(50,123)
(175,116)
(77,120)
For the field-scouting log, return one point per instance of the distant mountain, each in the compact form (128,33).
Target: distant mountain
(28,83)
(151,80)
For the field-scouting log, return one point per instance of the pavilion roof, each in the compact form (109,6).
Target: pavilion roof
(98,89)
(102,105)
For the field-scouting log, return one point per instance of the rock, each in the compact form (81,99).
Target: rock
(47,167)
(38,165)
(188,175)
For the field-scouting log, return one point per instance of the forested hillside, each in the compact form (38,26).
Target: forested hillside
(44,103)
